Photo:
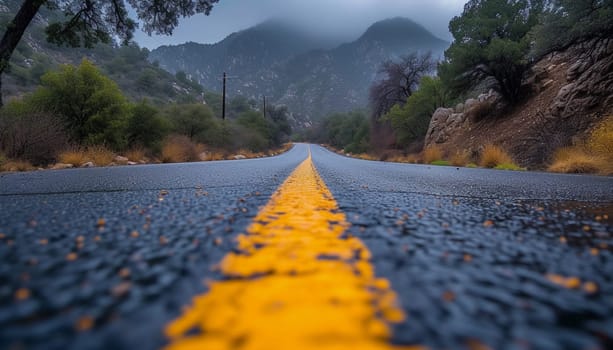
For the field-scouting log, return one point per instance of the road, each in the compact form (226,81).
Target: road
(112,257)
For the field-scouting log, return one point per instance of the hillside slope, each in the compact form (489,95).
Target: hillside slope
(128,66)
(294,69)
(572,91)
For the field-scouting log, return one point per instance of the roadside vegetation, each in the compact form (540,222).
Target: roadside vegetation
(592,156)
(488,53)
(80,117)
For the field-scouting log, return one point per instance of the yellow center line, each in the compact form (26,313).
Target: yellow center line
(296,283)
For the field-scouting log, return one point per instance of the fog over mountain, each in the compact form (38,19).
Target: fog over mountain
(342,20)
(299,69)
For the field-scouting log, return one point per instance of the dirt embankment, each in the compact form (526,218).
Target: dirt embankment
(571,92)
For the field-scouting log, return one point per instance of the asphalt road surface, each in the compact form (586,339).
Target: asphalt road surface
(106,258)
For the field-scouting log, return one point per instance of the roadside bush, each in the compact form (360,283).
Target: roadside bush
(600,141)
(432,154)
(441,162)
(99,155)
(460,158)
(16,165)
(254,131)
(347,131)
(178,149)
(135,154)
(196,121)
(146,127)
(91,106)
(75,156)
(595,156)
(493,156)
(30,135)
(575,160)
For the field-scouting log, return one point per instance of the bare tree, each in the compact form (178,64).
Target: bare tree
(400,79)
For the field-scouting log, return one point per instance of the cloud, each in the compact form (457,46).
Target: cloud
(344,19)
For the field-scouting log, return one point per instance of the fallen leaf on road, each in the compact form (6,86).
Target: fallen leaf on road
(22,294)
(84,323)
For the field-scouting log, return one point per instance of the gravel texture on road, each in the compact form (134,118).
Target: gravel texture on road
(104,258)
(511,260)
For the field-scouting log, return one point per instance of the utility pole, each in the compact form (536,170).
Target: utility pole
(264,106)
(223,103)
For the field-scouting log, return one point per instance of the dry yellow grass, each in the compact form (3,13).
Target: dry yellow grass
(136,154)
(16,165)
(600,141)
(365,156)
(76,157)
(178,149)
(247,153)
(410,158)
(413,159)
(397,159)
(99,155)
(492,156)
(460,158)
(575,160)
(595,156)
(432,154)
(216,155)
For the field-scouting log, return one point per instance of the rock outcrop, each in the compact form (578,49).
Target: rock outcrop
(571,92)
(447,122)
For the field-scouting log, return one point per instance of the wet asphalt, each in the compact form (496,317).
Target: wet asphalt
(104,258)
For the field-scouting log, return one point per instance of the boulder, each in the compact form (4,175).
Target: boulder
(239,157)
(203,156)
(60,166)
(133,163)
(459,108)
(438,124)
(120,159)
(88,165)
(470,103)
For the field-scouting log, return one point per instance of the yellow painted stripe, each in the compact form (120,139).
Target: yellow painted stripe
(297,284)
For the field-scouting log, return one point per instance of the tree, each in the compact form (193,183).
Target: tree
(256,131)
(90,104)
(410,121)
(146,127)
(87,22)
(491,41)
(567,22)
(347,131)
(400,79)
(195,121)
(279,124)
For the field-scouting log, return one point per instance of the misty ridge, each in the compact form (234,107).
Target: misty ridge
(313,75)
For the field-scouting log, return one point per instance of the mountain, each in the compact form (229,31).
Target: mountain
(128,66)
(249,55)
(298,70)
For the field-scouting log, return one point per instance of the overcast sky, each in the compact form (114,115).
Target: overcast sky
(344,19)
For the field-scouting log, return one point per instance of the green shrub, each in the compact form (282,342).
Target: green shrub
(146,127)
(411,120)
(509,166)
(441,162)
(91,105)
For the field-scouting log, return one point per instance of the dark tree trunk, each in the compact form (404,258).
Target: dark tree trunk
(14,32)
